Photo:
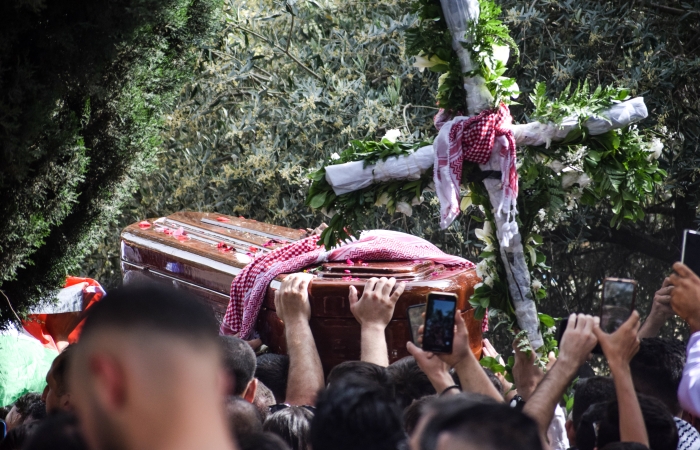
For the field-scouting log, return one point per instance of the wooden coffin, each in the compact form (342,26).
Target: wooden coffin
(202,253)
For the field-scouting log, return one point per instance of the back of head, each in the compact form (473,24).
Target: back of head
(414,412)
(587,429)
(494,380)
(264,398)
(293,425)
(589,391)
(17,437)
(262,441)
(463,423)
(361,370)
(273,370)
(239,361)
(243,417)
(410,382)
(661,428)
(352,414)
(657,370)
(26,402)
(59,432)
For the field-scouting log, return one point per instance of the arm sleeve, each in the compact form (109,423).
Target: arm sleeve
(556,433)
(689,389)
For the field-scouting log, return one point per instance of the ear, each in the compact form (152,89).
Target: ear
(109,381)
(250,390)
(571,432)
(66,405)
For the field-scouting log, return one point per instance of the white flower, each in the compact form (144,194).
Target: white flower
(481,268)
(422,62)
(417,201)
(488,281)
(571,178)
(488,248)
(654,149)
(382,200)
(335,156)
(556,166)
(404,208)
(484,234)
(536,285)
(392,135)
(541,214)
(501,53)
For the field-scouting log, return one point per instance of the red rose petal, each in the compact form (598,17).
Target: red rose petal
(349,262)
(347,271)
(223,219)
(144,224)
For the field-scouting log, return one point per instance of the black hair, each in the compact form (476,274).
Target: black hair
(410,382)
(293,425)
(25,402)
(58,432)
(60,369)
(367,371)
(273,370)
(352,414)
(36,411)
(494,380)
(589,391)
(586,431)
(153,307)
(657,369)
(239,361)
(625,446)
(414,412)
(262,441)
(243,417)
(491,424)
(18,436)
(661,428)
(264,398)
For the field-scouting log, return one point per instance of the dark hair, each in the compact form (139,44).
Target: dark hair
(153,307)
(657,369)
(589,391)
(58,432)
(243,417)
(661,428)
(18,436)
(352,414)
(292,424)
(366,371)
(414,412)
(239,361)
(262,441)
(60,369)
(273,370)
(491,424)
(494,380)
(264,398)
(25,402)
(586,433)
(410,382)
(625,446)
(37,411)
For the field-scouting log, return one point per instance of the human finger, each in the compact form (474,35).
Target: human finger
(572,321)
(666,283)
(370,285)
(352,296)
(386,286)
(587,323)
(681,269)
(398,290)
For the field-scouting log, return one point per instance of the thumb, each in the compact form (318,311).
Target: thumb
(681,269)
(353,296)
(412,349)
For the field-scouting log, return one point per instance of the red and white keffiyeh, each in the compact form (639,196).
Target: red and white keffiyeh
(473,139)
(250,286)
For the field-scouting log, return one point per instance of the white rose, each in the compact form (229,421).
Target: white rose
(335,156)
(536,285)
(488,281)
(392,135)
(404,208)
(654,149)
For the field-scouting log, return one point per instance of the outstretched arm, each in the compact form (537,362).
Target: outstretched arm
(660,312)
(576,343)
(619,348)
(305,371)
(374,311)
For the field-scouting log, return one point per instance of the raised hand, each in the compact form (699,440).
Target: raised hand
(685,296)
(292,298)
(376,306)
(578,340)
(435,368)
(620,346)
(660,312)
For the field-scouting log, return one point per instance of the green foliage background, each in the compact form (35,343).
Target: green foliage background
(286,85)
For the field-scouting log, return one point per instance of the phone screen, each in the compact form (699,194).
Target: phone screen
(691,250)
(439,323)
(618,303)
(415,320)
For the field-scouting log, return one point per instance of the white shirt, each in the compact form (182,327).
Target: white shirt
(689,389)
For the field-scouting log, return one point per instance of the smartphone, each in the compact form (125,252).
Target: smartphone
(415,320)
(619,296)
(690,255)
(438,332)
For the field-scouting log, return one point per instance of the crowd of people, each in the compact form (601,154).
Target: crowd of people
(151,372)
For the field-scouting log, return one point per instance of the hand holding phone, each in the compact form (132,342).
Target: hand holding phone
(415,320)
(438,331)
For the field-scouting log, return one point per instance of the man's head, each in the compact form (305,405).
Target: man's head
(588,391)
(414,412)
(410,382)
(657,369)
(22,411)
(352,414)
(661,428)
(293,425)
(56,393)
(148,371)
(243,417)
(483,425)
(239,361)
(264,398)
(60,431)
(273,370)
(262,441)
(360,370)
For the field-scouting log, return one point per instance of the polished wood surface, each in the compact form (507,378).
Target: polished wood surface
(214,248)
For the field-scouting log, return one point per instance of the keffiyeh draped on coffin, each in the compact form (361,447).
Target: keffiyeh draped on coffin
(249,287)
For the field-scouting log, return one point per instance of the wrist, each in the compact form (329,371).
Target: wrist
(441,380)
(567,364)
(619,367)
(373,327)
(659,313)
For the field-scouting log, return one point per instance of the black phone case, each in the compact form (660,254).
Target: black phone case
(447,349)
